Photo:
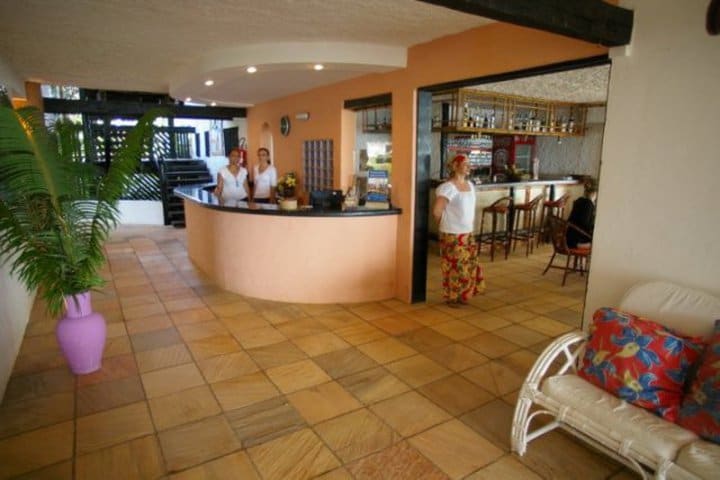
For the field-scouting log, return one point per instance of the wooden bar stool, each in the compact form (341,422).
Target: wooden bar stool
(551,207)
(525,223)
(499,211)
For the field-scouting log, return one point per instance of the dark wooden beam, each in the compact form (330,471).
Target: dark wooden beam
(137,109)
(368,102)
(593,21)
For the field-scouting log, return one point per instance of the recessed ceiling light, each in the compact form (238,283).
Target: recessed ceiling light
(251,69)
(213,104)
(209,83)
(318,66)
(188,99)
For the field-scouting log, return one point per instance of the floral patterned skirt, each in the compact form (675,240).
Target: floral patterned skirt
(461,270)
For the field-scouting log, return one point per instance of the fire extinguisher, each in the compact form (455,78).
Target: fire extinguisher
(242,151)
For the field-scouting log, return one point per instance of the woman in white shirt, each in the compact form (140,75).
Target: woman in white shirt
(454,210)
(232,183)
(264,178)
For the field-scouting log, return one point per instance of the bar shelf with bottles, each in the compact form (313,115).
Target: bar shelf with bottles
(475,111)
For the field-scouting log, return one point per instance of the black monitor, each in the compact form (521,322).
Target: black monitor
(326,199)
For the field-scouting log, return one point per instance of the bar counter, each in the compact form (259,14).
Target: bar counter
(299,256)
(520,191)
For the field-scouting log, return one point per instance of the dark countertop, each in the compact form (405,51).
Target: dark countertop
(527,183)
(201,194)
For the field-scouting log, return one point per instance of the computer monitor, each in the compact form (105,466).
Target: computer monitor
(326,199)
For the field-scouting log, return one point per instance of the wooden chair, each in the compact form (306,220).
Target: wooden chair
(525,223)
(498,211)
(579,256)
(551,207)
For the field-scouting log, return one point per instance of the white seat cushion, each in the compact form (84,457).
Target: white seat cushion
(701,458)
(646,434)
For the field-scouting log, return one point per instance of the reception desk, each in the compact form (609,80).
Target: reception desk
(300,256)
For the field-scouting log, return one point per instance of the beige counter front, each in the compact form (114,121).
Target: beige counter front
(293,258)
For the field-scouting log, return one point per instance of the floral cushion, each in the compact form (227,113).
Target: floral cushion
(640,361)
(700,411)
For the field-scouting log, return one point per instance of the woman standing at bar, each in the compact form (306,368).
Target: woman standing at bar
(264,178)
(454,210)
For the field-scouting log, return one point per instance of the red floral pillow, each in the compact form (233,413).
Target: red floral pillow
(700,411)
(640,361)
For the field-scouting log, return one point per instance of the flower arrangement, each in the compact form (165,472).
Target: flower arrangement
(287,184)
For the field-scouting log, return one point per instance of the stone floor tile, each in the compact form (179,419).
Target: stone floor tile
(342,363)
(455,394)
(244,390)
(398,462)
(183,407)
(137,459)
(263,421)
(455,448)
(320,343)
(224,367)
(277,354)
(101,430)
(322,402)
(457,357)
(424,339)
(417,370)
(374,385)
(507,468)
(356,435)
(106,395)
(296,455)
(211,438)
(296,376)
(236,465)
(409,413)
(36,449)
(159,358)
(169,380)
(386,350)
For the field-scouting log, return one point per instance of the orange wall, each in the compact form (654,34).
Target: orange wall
(488,50)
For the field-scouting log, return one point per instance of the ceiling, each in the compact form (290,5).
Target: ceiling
(587,85)
(174,46)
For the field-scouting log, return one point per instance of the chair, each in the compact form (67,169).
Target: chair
(579,256)
(498,210)
(551,207)
(525,223)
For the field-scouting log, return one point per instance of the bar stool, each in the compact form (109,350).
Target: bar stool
(551,207)
(499,211)
(524,228)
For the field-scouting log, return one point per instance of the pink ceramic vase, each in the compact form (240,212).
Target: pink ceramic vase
(81,334)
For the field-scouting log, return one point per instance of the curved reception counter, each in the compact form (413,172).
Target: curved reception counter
(301,256)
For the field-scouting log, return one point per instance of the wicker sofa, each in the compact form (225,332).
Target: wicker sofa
(650,445)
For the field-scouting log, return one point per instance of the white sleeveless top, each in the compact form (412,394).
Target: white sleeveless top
(459,215)
(233,188)
(264,181)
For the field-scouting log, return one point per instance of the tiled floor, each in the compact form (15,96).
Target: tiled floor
(198,383)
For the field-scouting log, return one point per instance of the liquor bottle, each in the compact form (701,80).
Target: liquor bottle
(485,122)
(510,122)
(571,124)
(466,116)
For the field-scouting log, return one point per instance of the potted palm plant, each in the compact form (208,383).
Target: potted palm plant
(55,214)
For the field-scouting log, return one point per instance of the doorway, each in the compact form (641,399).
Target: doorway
(428,163)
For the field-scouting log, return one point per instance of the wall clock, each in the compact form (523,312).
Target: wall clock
(285,125)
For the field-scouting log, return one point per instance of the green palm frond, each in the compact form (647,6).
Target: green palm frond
(56,212)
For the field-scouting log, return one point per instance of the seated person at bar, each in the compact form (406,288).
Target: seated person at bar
(232,181)
(264,178)
(582,216)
